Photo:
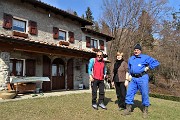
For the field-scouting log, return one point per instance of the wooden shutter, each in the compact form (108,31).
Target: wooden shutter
(55,32)
(101,42)
(88,41)
(71,37)
(7,23)
(32,27)
(30,67)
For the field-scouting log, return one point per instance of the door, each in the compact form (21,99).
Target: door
(58,74)
(70,82)
(46,86)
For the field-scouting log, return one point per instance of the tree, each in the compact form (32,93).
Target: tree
(82,16)
(176,20)
(105,28)
(144,32)
(168,52)
(75,13)
(89,15)
(72,12)
(96,26)
(122,17)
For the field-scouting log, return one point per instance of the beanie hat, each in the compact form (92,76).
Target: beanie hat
(137,46)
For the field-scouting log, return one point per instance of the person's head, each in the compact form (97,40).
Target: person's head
(99,55)
(119,55)
(137,49)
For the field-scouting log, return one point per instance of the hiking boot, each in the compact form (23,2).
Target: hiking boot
(102,106)
(95,106)
(145,112)
(121,108)
(127,111)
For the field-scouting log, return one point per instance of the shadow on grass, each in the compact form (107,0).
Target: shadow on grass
(137,104)
(107,100)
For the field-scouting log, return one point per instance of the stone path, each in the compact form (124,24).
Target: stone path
(46,94)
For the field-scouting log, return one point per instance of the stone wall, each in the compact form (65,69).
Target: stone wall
(45,23)
(4,69)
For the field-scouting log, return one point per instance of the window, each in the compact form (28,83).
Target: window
(57,70)
(62,35)
(59,34)
(101,44)
(94,43)
(16,67)
(19,25)
(61,70)
(54,70)
(71,37)
(88,41)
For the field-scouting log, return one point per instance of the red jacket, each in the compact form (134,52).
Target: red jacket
(98,69)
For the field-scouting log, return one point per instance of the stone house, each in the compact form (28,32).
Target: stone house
(37,39)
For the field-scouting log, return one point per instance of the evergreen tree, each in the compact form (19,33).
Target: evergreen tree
(82,16)
(144,33)
(89,15)
(75,13)
(176,20)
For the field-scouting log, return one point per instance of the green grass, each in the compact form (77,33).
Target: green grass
(78,107)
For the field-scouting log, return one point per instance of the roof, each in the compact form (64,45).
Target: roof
(40,46)
(108,37)
(47,7)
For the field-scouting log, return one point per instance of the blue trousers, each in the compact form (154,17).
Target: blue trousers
(140,84)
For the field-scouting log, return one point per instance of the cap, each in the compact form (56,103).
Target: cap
(137,46)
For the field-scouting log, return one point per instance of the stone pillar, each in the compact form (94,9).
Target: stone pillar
(4,69)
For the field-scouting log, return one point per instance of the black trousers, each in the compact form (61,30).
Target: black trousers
(121,93)
(95,85)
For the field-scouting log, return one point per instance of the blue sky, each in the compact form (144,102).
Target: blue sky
(80,6)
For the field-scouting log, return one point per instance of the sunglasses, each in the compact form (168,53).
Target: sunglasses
(99,55)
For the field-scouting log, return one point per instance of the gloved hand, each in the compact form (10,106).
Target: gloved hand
(126,83)
(146,69)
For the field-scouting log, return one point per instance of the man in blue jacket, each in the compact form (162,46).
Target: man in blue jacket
(138,64)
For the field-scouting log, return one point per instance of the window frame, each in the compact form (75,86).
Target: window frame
(23,65)
(66,34)
(20,19)
(93,43)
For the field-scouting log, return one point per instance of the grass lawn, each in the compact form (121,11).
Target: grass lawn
(78,107)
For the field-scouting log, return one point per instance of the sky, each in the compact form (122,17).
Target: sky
(80,6)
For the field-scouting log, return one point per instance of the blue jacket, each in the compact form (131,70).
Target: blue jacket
(137,64)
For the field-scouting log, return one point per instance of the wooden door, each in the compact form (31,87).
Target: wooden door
(46,86)
(58,74)
(70,82)
(30,67)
